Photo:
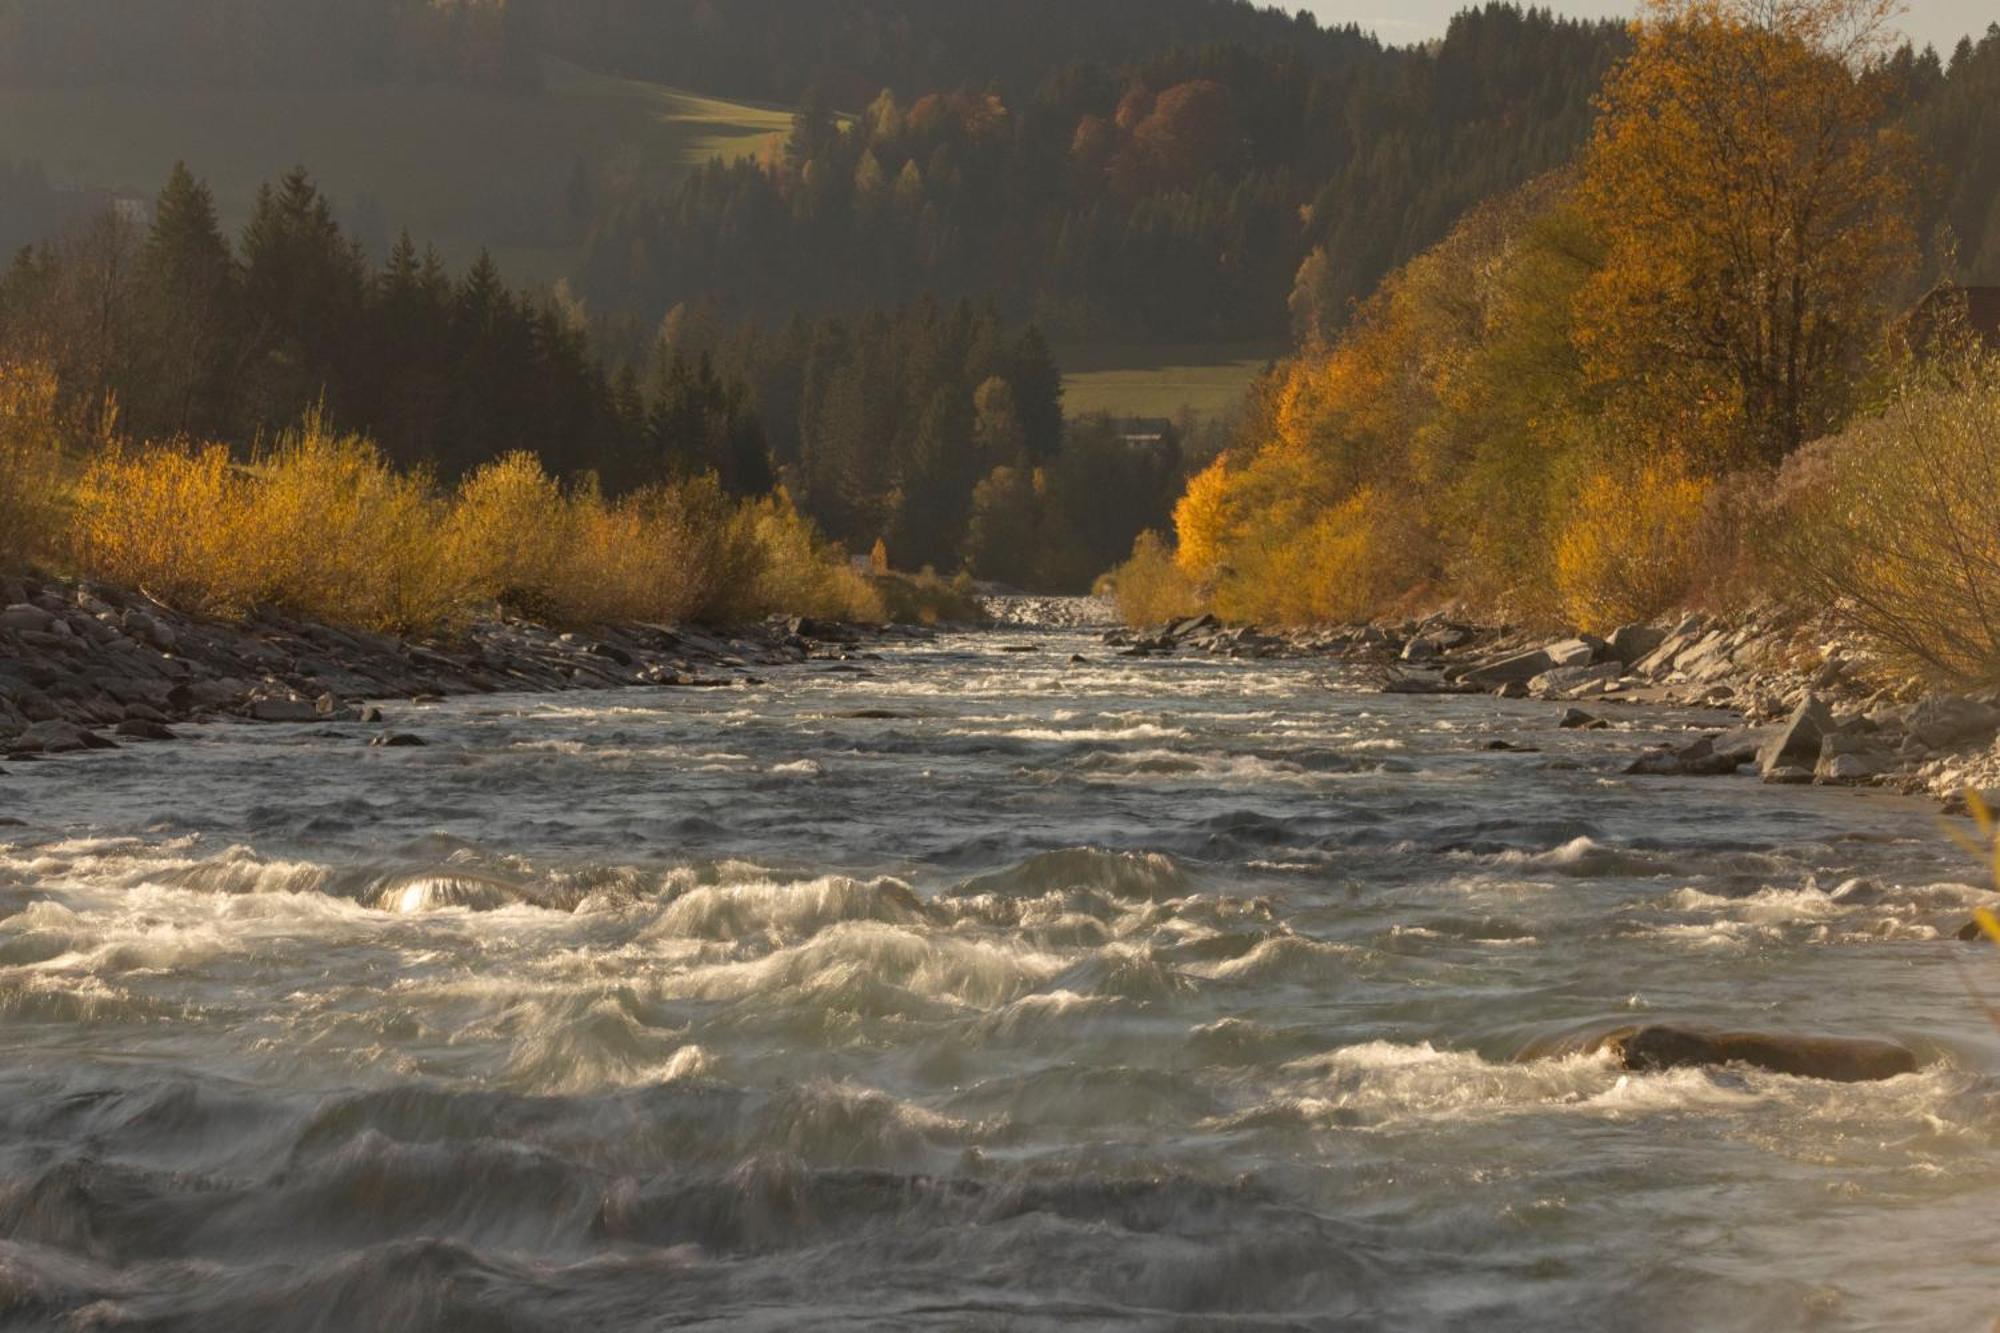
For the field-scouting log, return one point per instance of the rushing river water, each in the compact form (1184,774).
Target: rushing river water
(972,989)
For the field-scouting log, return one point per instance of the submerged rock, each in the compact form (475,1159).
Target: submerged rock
(1651,1047)
(1707,757)
(57,737)
(284,710)
(397,740)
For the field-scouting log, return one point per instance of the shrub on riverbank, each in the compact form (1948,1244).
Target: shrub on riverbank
(1628,550)
(928,598)
(1151,588)
(31,464)
(321,525)
(1895,523)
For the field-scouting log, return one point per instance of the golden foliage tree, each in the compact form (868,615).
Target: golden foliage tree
(1753,202)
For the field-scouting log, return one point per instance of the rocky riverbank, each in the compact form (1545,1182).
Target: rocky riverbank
(83,666)
(1813,707)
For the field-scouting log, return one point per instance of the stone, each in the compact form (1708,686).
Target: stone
(26,616)
(58,737)
(143,729)
(1419,649)
(1518,669)
(1705,757)
(1575,719)
(397,740)
(1706,658)
(1661,660)
(1856,892)
(1578,652)
(1848,758)
(1788,775)
(283,710)
(1656,763)
(1632,643)
(149,629)
(1836,1059)
(1513,689)
(1949,722)
(1561,681)
(1401,683)
(1797,743)
(1849,769)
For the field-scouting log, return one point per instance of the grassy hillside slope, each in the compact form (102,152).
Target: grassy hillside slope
(1207,379)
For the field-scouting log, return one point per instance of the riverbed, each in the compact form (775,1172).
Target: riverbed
(957,986)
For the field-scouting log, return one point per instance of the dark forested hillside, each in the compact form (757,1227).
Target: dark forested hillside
(852,49)
(271,43)
(1168,197)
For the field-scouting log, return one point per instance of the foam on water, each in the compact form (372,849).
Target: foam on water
(984,990)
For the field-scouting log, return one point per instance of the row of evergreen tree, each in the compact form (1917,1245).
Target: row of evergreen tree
(882,426)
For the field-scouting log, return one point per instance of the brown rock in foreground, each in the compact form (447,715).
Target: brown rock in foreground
(1657,1046)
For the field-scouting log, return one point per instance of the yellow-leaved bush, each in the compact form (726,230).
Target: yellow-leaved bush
(173,520)
(802,575)
(322,525)
(1152,587)
(31,464)
(1628,550)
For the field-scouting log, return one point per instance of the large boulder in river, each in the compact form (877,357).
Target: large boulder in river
(1852,759)
(1657,1046)
(1797,743)
(1516,670)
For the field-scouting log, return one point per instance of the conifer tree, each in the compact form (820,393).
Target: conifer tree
(187,313)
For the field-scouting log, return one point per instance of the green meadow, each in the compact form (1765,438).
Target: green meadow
(1207,379)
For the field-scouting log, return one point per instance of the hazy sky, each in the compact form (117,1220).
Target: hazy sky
(1939,22)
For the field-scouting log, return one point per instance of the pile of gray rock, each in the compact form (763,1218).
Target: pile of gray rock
(84,666)
(1807,712)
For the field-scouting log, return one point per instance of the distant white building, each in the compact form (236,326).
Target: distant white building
(1144,432)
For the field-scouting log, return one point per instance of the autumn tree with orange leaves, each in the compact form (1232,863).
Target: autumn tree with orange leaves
(1754,203)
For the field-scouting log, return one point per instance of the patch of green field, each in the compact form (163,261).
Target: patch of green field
(458,167)
(1207,379)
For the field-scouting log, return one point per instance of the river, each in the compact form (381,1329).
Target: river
(973,988)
